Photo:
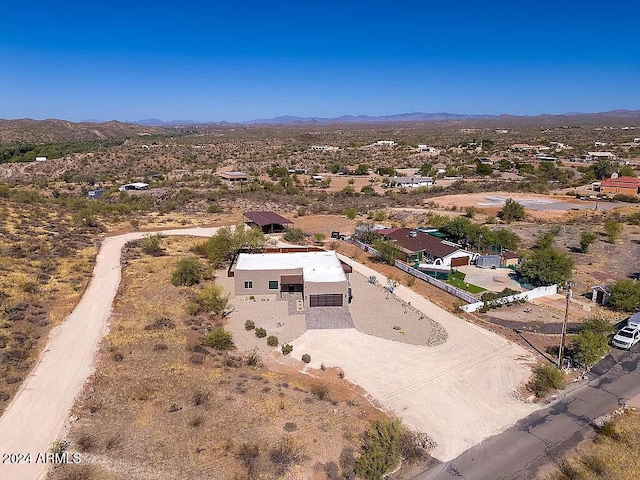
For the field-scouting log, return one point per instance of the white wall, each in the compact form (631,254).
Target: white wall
(529,295)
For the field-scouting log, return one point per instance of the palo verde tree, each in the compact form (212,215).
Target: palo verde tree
(512,211)
(625,295)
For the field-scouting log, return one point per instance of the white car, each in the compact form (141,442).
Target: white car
(626,338)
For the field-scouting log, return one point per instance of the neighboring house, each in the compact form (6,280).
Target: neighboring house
(418,247)
(324,148)
(485,161)
(510,259)
(621,186)
(41,159)
(93,194)
(318,276)
(410,182)
(600,295)
(428,149)
(269,222)
(385,143)
(605,155)
(233,177)
(133,186)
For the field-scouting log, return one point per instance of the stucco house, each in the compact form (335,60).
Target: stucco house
(318,276)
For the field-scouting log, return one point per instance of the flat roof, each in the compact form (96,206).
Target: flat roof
(316,266)
(266,218)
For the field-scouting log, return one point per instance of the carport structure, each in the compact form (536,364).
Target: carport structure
(269,222)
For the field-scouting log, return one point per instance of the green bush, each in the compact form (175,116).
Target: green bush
(249,325)
(625,295)
(272,341)
(261,332)
(382,449)
(188,272)
(193,308)
(151,245)
(219,339)
(287,349)
(512,210)
(213,298)
(586,239)
(306,358)
(294,235)
(547,378)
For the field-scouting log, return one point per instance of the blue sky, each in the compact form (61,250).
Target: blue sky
(234,61)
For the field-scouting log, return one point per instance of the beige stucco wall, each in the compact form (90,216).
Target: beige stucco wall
(260,279)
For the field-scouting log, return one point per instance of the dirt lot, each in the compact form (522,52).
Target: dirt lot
(157,395)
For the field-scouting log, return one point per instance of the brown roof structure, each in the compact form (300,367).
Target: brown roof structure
(421,242)
(263,219)
(510,255)
(621,182)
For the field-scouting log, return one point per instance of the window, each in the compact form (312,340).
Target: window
(273,284)
(248,284)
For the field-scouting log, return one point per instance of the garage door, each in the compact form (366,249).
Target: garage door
(327,300)
(456,262)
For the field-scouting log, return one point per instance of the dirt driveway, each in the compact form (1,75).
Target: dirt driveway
(460,392)
(39,412)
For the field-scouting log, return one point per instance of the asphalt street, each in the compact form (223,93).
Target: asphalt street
(545,435)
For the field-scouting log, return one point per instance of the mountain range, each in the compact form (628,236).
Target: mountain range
(400,117)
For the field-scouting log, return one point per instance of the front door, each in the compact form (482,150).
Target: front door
(292,288)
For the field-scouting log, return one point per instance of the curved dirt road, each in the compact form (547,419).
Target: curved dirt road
(39,412)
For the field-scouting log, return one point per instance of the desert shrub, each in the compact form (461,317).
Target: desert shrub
(294,235)
(625,295)
(249,456)
(609,430)
(188,272)
(253,358)
(85,442)
(320,391)
(151,245)
(196,421)
(249,325)
(290,427)
(260,332)
(512,211)
(212,298)
(59,446)
(117,356)
(306,358)
(196,358)
(547,378)
(415,446)
(350,212)
(272,341)
(634,218)
(193,309)
(381,450)
(219,339)
(200,398)
(160,323)
(285,454)
(586,239)
(213,208)
(287,349)
(612,230)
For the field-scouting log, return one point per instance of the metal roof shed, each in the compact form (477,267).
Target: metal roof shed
(268,221)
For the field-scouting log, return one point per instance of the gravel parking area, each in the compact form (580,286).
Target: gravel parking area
(495,280)
(377,312)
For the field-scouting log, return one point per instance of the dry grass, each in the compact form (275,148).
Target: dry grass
(45,264)
(157,405)
(613,454)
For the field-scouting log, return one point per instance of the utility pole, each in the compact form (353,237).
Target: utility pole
(564,324)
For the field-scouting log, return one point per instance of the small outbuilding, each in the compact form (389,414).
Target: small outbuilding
(269,222)
(133,186)
(510,259)
(600,295)
(488,261)
(93,194)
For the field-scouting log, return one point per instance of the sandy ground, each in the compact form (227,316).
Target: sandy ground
(38,414)
(460,392)
(495,280)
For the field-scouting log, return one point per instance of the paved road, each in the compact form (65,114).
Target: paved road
(39,412)
(545,435)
